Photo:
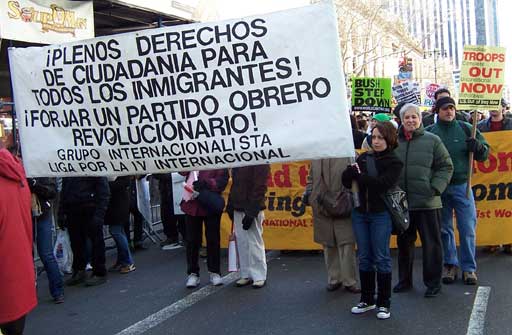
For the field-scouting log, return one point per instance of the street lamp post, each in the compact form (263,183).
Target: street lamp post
(435,54)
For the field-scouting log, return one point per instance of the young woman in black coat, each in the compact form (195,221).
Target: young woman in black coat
(371,220)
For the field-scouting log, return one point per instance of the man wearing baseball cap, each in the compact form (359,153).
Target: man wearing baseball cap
(431,117)
(456,136)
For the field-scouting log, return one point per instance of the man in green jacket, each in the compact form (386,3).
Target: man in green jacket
(456,137)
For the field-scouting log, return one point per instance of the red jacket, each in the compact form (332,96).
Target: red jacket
(17,282)
(216,181)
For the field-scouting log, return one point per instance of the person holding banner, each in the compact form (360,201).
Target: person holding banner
(198,212)
(17,277)
(172,222)
(84,202)
(376,172)
(497,122)
(456,136)
(118,213)
(45,190)
(426,174)
(335,234)
(245,208)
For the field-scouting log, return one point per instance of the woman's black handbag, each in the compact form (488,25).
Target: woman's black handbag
(213,202)
(395,199)
(396,202)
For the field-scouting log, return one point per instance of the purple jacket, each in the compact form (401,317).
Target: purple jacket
(216,181)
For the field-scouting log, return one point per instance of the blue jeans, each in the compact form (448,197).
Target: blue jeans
(124,256)
(44,241)
(373,232)
(454,198)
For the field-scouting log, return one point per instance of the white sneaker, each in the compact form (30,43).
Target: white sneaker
(361,308)
(383,313)
(172,246)
(88,267)
(215,279)
(193,280)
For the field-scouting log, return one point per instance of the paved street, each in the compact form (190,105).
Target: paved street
(294,302)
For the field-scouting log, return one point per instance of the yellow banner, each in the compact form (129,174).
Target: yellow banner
(288,223)
(482,77)
(492,188)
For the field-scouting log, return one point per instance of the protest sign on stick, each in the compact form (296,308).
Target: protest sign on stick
(482,77)
(240,92)
(430,90)
(371,94)
(407,92)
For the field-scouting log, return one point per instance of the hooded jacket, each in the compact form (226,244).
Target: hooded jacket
(17,281)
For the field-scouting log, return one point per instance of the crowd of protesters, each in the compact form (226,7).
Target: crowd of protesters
(426,154)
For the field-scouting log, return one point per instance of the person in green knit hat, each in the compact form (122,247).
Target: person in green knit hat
(456,136)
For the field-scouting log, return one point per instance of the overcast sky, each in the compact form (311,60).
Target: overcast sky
(228,9)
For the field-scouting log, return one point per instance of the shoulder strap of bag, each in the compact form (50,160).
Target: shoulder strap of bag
(370,165)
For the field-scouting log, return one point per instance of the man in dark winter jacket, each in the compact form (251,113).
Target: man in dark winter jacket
(496,120)
(456,137)
(84,202)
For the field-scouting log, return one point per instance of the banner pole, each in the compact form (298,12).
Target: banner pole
(15,140)
(471,156)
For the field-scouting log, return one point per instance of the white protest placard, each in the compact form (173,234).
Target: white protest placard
(430,90)
(240,92)
(46,22)
(407,92)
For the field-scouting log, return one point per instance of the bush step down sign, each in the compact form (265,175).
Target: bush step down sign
(371,94)
(201,96)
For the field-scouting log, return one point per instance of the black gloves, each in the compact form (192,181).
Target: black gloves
(199,185)
(352,172)
(473,145)
(247,222)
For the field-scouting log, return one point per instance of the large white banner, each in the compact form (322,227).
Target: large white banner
(46,21)
(202,96)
